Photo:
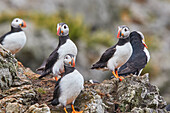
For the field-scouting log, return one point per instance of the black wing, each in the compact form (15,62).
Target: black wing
(56,93)
(50,62)
(104,58)
(134,64)
(2,37)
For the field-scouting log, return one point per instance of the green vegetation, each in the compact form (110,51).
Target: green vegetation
(41,90)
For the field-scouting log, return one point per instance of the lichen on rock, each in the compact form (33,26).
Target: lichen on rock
(8,66)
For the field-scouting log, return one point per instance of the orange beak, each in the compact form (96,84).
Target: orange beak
(59,31)
(73,63)
(23,24)
(119,34)
(143,41)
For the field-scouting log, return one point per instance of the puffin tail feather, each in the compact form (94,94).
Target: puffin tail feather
(98,66)
(55,102)
(40,68)
(44,74)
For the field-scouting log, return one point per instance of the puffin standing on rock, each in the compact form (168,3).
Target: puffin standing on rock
(140,56)
(15,39)
(69,86)
(118,54)
(54,63)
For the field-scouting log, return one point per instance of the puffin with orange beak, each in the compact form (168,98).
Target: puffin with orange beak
(14,40)
(69,86)
(140,56)
(54,63)
(117,55)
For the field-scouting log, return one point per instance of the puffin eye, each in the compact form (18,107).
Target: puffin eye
(16,20)
(65,27)
(125,29)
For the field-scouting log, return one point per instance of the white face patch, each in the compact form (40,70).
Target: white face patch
(64,29)
(125,31)
(16,23)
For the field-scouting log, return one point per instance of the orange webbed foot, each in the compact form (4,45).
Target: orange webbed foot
(77,111)
(74,111)
(121,78)
(56,78)
(20,64)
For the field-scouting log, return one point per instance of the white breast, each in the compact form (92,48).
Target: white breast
(147,54)
(68,48)
(120,57)
(70,87)
(14,41)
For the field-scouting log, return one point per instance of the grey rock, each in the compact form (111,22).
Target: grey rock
(36,108)
(137,91)
(134,94)
(148,110)
(14,108)
(7,68)
(16,91)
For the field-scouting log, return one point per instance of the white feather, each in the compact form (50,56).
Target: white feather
(68,48)
(70,87)
(120,57)
(14,42)
(147,54)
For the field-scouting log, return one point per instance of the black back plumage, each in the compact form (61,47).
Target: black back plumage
(57,90)
(108,54)
(138,59)
(13,30)
(53,57)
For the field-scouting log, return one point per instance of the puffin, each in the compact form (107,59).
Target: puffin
(15,39)
(139,58)
(117,55)
(54,63)
(69,86)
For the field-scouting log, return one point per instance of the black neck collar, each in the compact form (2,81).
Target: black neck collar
(63,39)
(68,69)
(15,29)
(123,41)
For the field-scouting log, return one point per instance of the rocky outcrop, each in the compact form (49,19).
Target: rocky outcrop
(133,94)
(7,69)
(16,90)
(22,92)
(36,108)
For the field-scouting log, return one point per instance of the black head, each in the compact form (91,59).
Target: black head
(123,32)
(69,60)
(137,35)
(18,23)
(62,29)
